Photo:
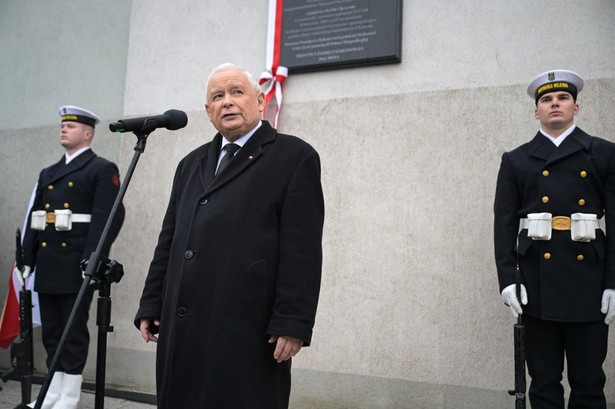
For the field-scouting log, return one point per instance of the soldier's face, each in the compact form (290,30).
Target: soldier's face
(75,135)
(233,105)
(556,110)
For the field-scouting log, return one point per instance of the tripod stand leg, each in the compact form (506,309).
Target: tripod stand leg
(26,389)
(103,322)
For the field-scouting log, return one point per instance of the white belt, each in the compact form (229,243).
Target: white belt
(582,226)
(63,219)
(51,217)
(80,218)
(559,223)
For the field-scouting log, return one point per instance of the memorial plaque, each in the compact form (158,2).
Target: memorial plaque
(327,34)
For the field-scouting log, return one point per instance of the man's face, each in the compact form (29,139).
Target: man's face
(233,105)
(556,110)
(75,135)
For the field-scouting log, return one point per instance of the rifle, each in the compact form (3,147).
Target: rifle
(519,342)
(22,357)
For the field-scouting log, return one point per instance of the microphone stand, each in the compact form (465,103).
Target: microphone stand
(105,272)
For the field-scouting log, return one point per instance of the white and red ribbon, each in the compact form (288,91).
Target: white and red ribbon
(271,80)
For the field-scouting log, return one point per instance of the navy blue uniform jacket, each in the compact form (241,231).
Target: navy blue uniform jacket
(89,184)
(564,279)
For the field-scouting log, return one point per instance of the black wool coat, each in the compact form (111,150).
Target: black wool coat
(89,184)
(564,279)
(239,258)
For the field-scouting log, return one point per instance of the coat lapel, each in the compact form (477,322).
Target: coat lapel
(542,148)
(244,158)
(576,141)
(60,169)
(209,160)
(50,173)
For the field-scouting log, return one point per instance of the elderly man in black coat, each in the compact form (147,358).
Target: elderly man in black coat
(551,194)
(234,281)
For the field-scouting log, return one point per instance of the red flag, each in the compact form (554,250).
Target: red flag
(9,322)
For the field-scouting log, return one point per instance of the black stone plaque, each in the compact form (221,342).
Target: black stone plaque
(328,34)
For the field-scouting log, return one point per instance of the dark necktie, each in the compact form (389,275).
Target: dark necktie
(230,149)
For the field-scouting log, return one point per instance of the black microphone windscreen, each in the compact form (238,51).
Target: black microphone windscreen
(178,119)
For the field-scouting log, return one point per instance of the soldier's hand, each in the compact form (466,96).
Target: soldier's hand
(608,305)
(22,275)
(509,295)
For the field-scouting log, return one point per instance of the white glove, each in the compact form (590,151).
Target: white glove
(22,275)
(509,295)
(608,305)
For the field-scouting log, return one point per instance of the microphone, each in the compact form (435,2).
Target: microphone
(172,120)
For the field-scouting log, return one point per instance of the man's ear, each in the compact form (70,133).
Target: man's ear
(89,135)
(261,101)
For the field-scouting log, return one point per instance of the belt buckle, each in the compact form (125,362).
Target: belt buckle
(50,218)
(560,223)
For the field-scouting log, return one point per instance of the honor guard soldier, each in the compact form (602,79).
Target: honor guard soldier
(72,202)
(552,194)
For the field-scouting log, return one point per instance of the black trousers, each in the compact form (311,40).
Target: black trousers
(55,311)
(584,345)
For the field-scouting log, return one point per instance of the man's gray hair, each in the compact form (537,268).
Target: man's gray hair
(229,66)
